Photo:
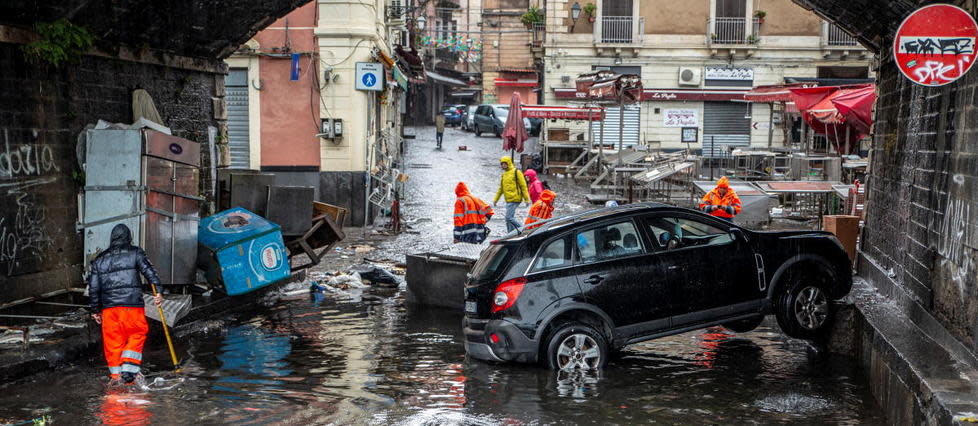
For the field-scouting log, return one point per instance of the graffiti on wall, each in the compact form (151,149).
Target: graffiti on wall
(955,237)
(23,233)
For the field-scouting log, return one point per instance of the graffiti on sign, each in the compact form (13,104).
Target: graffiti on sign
(935,45)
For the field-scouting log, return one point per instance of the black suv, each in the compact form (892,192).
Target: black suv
(578,287)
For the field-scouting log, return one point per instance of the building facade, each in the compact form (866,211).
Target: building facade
(696,60)
(508,61)
(297,107)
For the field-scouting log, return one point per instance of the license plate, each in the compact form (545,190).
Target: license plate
(470,307)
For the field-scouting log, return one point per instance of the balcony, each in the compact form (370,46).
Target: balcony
(733,31)
(539,37)
(837,41)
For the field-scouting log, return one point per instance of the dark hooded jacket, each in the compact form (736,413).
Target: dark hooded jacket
(114,278)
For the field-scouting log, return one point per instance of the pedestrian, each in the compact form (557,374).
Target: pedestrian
(439,128)
(722,201)
(534,185)
(542,210)
(116,302)
(471,216)
(512,185)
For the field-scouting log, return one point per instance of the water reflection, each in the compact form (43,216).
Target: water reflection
(121,406)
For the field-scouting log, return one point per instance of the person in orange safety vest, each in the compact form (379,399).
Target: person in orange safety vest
(471,215)
(542,210)
(722,201)
(116,302)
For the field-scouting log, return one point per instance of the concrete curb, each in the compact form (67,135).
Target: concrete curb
(56,350)
(914,376)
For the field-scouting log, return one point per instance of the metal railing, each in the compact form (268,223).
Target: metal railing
(733,31)
(617,29)
(539,33)
(836,37)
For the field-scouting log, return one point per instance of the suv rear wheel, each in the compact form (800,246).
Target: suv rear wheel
(496,131)
(478,131)
(804,309)
(575,345)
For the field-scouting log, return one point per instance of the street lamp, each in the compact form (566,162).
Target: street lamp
(575,13)
(421,22)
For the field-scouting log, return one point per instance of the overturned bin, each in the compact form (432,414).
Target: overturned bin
(241,251)
(438,278)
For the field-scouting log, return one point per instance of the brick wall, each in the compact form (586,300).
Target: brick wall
(42,111)
(922,218)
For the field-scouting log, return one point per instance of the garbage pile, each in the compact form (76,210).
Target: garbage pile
(351,285)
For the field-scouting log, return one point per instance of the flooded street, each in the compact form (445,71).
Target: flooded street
(315,359)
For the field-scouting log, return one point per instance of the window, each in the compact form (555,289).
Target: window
(671,233)
(555,255)
(489,264)
(607,242)
(731,8)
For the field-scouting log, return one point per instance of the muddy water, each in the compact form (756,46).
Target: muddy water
(311,360)
(315,360)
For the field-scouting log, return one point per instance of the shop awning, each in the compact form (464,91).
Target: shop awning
(819,109)
(444,79)
(520,82)
(465,93)
(665,94)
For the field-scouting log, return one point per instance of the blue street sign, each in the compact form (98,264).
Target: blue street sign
(295,67)
(370,76)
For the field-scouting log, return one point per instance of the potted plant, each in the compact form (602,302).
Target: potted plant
(752,39)
(591,10)
(760,14)
(532,16)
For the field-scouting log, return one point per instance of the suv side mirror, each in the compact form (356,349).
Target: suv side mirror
(737,234)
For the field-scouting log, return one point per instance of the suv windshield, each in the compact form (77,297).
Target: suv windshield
(501,112)
(490,264)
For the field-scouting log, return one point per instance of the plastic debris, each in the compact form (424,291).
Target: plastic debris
(376,275)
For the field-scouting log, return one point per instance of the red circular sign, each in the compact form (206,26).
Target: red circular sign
(935,45)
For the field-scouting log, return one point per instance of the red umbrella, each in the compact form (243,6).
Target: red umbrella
(857,107)
(514,134)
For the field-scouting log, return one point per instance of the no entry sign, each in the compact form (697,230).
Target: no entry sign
(935,45)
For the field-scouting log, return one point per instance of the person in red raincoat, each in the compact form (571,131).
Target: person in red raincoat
(533,184)
(722,201)
(471,215)
(542,210)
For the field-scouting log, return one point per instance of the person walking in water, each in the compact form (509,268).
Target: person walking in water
(471,216)
(439,129)
(116,302)
(512,187)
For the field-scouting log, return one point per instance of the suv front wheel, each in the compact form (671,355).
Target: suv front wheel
(804,310)
(576,345)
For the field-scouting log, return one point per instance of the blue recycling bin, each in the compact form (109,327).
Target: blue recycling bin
(241,251)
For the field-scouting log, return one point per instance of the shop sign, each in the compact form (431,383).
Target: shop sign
(680,118)
(728,73)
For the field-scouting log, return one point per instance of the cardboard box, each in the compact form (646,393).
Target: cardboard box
(846,229)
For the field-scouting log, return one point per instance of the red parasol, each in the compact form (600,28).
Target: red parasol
(857,107)
(514,133)
(819,110)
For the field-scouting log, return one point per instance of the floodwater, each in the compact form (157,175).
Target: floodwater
(314,359)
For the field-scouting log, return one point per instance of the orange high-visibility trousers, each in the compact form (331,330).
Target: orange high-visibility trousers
(123,335)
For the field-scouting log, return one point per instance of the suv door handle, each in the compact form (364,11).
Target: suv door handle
(594,279)
(673,267)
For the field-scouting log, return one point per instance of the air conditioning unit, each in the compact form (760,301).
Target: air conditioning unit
(565,79)
(689,76)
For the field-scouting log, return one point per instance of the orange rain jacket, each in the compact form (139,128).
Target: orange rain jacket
(713,198)
(542,210)
(471,215)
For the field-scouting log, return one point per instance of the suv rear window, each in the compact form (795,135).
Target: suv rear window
(491,263)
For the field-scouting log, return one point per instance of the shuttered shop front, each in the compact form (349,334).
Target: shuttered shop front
(611,122)
(725,125)
(236,84)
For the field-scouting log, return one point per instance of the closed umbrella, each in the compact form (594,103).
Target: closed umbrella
(514,133)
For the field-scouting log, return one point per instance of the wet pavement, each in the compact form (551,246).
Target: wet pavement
(317,359)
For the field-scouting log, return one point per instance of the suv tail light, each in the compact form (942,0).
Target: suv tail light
(506,294)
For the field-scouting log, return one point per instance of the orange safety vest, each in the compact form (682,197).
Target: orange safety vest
(471,215)
(542,210)
(714,198)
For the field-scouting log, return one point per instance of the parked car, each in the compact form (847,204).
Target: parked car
(467,118)
(492,119)
(453,114)
(575,289)
(536,126)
